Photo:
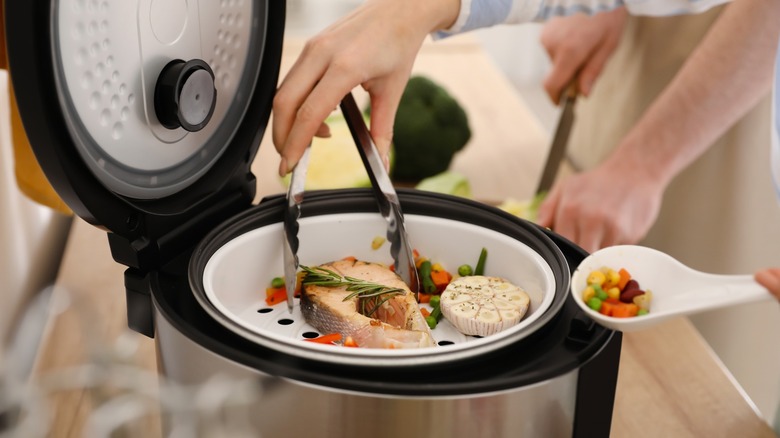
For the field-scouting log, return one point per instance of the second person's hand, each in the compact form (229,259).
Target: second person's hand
(374,47)
(603,207)
(580,45)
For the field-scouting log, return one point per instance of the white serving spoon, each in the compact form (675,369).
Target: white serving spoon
(676,288)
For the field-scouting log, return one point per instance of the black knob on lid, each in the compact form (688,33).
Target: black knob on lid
(184,95)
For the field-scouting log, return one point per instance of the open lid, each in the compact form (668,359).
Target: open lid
(148,111)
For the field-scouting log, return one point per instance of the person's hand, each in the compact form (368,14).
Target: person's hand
(770,279)
(580,45)
(374,46)
(606,206)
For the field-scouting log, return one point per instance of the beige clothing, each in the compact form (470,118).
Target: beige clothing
(720,214)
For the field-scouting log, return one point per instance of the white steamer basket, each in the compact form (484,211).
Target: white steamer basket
(235,278)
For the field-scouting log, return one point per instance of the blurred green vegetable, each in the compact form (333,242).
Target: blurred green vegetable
(430,127)
(448,182)
(525,209)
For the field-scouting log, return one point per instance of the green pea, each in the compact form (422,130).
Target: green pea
(431,320)
(595,303)
(465,270)
(642,312)
(600,294)
(435,301)
(277,282)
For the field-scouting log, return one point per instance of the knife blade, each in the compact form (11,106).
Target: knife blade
(386,197)
(291,215)
(560,139)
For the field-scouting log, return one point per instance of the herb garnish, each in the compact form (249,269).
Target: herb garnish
(368,293)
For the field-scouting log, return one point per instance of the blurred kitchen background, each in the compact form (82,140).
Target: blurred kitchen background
(33,236)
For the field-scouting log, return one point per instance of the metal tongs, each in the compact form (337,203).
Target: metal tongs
(386,197)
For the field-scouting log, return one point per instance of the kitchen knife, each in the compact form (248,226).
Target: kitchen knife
(560,139)
(385,194)
(291,215)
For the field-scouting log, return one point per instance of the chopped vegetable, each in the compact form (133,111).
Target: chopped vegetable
(275,295)
(435,316)
(277,282)
(447,182)
(614,293)
(594,303)
(441,279)
(465,270)
(596,277)
(425,277)
(480,269)
(349,342)
(623,310)
(600,292)
(330,338)
(378,242)
(625,277)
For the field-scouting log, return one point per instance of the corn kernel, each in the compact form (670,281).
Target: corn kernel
(596,277)
(588,293)
(378,242)
(613,292)
(612,279)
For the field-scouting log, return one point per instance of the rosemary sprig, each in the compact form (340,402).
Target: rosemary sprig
(366,291)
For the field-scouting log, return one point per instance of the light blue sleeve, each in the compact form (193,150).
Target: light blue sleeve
(775,153)
(475,14)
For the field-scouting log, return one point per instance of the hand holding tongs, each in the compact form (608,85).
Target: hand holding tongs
(387,199)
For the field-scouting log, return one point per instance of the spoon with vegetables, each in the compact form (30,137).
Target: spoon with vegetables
(658,285)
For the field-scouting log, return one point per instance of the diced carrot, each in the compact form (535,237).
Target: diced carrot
(269,291)
(441,279)
(330,338)
(350,259)
(625,310)
(424,298)
(349,342)
(277,295)
(425,312)
(625,277)
(608,306)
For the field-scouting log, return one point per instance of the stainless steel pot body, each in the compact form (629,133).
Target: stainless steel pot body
(289,408)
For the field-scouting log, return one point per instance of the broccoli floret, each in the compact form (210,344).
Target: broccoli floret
(430,127)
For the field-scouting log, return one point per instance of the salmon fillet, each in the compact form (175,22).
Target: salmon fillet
(397,323)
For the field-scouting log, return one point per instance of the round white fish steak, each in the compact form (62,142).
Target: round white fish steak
(480,306)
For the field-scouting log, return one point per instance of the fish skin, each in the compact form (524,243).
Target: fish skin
(398,323)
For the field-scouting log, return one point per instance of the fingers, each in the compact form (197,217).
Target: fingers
(385,98)
(546,215)
(563,70)
(323,131)
(594,66)
(770,279)
(292,92)
(336,82)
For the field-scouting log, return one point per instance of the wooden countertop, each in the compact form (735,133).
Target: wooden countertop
(670,383)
